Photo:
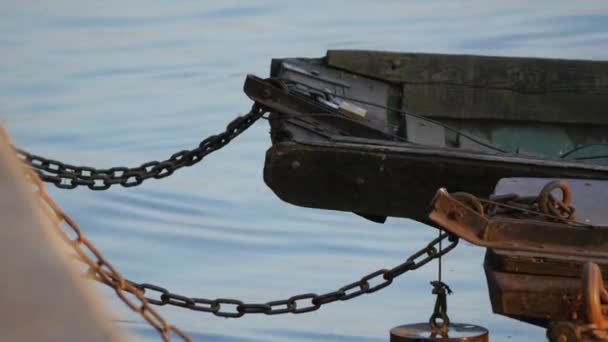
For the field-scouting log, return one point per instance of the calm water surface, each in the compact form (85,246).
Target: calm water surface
(113,82)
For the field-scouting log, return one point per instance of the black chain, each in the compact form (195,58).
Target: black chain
(301,303)
(66,176)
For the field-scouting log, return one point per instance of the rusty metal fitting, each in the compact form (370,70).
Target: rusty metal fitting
(550,205)
(595,296)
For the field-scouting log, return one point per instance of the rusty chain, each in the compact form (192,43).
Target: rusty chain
(544,205)
(311,301)
(70,232)
(66,176)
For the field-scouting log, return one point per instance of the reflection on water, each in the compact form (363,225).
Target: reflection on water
(105,83)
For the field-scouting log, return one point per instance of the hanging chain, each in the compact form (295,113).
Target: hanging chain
(66,176)
(99,266)
(69,177)
(306,302)
(101,270)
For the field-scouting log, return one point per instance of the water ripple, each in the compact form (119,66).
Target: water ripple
(113,82)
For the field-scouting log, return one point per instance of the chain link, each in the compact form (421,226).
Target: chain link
(66,176)
(100,267)
(69,177)
(102,270)
(298,304)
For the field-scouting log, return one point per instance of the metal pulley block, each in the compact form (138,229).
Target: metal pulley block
(519,221)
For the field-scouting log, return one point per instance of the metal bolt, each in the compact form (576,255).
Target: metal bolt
(267,93)
(454,215)
(295,164)
(360,181)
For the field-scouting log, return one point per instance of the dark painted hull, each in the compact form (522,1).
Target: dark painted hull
(353,177)
(390,162)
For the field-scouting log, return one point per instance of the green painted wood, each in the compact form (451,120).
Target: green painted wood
(489,88)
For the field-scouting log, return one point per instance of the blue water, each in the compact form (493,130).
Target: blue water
(112,82)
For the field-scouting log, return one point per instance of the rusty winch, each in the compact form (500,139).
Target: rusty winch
(545,251)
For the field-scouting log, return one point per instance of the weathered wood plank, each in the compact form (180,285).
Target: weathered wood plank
(525,75)
(452,101)
(42,297)
(547,264)
(506,88)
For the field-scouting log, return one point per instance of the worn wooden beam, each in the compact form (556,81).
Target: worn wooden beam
(483,87)
(42,296)
(395,180)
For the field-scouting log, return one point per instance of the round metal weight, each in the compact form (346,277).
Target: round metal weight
(421,332)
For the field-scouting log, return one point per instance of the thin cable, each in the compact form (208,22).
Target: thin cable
(538,213)
(403,112)
(592,157)
(283,116)
(564,155)
(439,269)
